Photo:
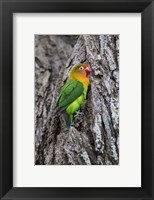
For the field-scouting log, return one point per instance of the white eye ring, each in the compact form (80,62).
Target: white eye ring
(81,68)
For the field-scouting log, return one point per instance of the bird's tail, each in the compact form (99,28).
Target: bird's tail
(68,119)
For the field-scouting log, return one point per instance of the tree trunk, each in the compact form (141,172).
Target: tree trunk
(94,137)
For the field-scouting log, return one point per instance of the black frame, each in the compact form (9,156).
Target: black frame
(7,8)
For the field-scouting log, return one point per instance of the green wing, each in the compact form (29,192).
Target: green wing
(69,93)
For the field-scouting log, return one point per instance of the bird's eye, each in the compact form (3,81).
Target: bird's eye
(81,68)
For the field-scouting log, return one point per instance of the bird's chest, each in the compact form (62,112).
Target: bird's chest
(80,99)
(75,105)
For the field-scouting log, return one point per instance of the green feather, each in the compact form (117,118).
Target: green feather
(70,99)
(70,92)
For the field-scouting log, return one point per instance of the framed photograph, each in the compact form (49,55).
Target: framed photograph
(76,99)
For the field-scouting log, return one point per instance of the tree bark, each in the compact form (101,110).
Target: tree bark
(94,137)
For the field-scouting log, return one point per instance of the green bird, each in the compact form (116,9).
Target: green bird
(73,93)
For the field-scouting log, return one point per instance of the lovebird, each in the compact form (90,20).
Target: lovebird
(73,92)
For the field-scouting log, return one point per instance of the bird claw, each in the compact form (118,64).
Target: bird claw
(78,114)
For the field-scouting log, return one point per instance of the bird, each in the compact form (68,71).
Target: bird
(73,93)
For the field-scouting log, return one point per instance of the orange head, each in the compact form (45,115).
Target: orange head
(80,72)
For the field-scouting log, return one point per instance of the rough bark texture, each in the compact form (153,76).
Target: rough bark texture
(94,137)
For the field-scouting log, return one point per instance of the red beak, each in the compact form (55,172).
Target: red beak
(87,70)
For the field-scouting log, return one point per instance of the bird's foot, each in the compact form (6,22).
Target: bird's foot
(78,114)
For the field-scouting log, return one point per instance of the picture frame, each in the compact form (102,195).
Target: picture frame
(7,8)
